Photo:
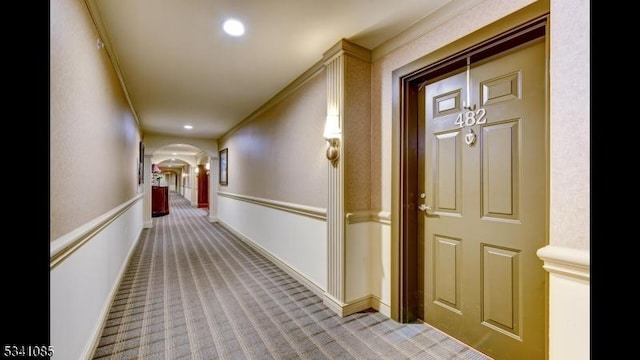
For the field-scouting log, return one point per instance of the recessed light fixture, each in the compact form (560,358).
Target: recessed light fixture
(188,127)
(233,27)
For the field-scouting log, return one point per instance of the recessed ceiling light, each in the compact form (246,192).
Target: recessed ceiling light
(174,153)
(188,127)
(233,27)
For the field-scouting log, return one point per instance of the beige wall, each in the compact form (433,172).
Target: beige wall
(570,129)
(280,154)
(356,134)
(94,136)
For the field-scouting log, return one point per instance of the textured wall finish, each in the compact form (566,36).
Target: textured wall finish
(279,155)
(357,134)
(94,136)
(570,119)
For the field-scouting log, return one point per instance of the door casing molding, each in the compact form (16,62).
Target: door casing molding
(518,28)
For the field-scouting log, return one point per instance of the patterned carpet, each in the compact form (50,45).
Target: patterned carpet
(192,290)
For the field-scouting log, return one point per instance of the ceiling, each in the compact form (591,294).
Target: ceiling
(174,155)
(179,67)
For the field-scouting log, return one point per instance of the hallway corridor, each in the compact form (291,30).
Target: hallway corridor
(192,290)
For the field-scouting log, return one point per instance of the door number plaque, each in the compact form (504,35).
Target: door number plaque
(470,118)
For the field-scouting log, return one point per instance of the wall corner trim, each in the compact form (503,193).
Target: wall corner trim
(383,217)
(574,263)
(334,304)
(357,305)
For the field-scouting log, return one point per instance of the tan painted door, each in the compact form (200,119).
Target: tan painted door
(483,282)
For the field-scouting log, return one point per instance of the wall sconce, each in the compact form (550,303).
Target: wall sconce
(332,136)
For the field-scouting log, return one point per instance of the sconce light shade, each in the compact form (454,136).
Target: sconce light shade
(155,168)
(332,127)
(332,135)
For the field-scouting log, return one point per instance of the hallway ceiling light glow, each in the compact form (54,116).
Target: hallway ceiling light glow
(188,127)
(233,27)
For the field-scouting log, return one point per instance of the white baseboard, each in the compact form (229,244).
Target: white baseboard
(380,306)
(356,305)
(106,307)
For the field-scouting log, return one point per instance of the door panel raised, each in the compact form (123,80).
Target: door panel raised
(501,166)
(485,183)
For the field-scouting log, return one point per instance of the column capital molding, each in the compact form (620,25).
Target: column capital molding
(346,47)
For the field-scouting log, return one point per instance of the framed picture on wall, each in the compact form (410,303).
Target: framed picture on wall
(224,174)
(140,163)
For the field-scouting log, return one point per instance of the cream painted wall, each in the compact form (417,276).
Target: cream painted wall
(93,131)
(280,154)
(358,274)
(569,311)
(380,262)
(296,240)
(367,263)
(81,287)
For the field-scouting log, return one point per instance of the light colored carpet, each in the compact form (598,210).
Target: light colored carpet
(192,290)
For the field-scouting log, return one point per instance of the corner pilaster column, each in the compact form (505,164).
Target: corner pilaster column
(346,71)
(213,187)
(334,296)
(147,222)
(193,181)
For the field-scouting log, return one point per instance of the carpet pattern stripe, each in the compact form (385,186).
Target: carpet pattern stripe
(193,290)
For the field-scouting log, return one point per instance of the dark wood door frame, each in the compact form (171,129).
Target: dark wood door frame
(410,147)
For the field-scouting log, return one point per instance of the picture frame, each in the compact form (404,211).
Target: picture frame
(140,163)
(224,166)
